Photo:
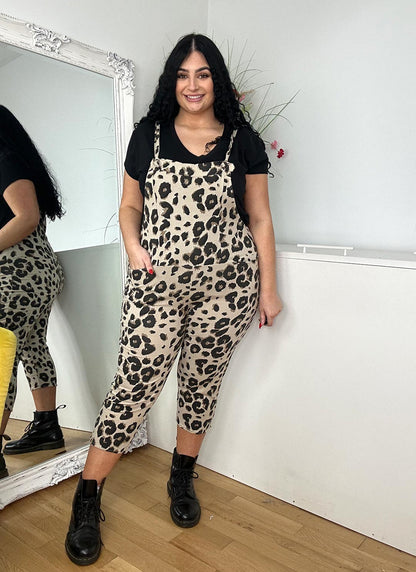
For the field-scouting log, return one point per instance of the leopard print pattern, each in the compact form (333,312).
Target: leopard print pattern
(200,300)
(190,217)
(30,279)
(202,313)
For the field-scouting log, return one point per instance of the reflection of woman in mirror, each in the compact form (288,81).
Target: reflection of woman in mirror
(198,232)
(30,279)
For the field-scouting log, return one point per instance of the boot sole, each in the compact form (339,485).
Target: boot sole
(182,523)
(4,473)
(81,561)
(43,447)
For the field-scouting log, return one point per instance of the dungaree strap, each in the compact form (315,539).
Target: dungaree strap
(233,134)
(156,141)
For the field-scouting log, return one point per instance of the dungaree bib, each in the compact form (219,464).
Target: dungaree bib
(199,301)
(190,216)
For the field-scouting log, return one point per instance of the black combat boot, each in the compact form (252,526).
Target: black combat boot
(184,508)
(83,541)
(3,469)
(41,433)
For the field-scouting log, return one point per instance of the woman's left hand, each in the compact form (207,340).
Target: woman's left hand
(270,306)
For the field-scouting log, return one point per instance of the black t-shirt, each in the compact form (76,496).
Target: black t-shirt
(248,154)
(12,168)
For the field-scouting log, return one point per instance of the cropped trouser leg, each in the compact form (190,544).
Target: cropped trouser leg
(214,327)
(206,312)
(27,317)
(152,329)
(35,355)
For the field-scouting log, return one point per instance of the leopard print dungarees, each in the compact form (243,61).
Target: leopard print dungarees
(200,300)
(31,277)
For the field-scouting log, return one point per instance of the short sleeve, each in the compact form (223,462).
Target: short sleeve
(131,161)
(140,150)
(255,156)
(12,168)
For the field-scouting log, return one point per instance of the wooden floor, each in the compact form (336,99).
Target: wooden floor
(241,529)
(17,463)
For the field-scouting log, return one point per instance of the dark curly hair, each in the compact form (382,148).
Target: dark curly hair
(16,139)
(227,110)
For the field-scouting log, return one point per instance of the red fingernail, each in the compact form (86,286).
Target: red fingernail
(150,271)
(260,325)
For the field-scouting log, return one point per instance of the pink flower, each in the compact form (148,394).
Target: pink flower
(242,97)
(280,153)
(273,144)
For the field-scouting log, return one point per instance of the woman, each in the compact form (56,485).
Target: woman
(30,279)
(197,229)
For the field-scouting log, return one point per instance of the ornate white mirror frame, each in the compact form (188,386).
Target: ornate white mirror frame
(57,46)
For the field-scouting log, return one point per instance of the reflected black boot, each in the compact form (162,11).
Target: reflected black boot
(83,541)
(41,433)
(3,469)
(184,508)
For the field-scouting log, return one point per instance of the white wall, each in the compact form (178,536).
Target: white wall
(319,409)
(141,30)
(349,174)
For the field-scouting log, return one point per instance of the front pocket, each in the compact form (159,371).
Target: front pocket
(137,273)
(140,276)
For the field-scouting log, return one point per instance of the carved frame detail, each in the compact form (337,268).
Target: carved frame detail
(46,39)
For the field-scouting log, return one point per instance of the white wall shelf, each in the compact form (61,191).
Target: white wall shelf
(386,258)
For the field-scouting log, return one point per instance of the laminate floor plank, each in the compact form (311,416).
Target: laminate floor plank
(263,527)
(163,458)
(241,529)
(120,565)
(148,538)
(149,454)
(201,547)
(136,496)
(285,544)
(133,514)
(281,557)
(283,508)
(145,559)
(328,546)
(24,530)
(57,557)
(326,527)
(17,554)
(388,554)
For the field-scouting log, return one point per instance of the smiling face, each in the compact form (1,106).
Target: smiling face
(194,85)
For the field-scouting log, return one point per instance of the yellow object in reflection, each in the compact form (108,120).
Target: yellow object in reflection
(7,354)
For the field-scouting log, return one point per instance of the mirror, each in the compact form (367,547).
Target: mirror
(76,103)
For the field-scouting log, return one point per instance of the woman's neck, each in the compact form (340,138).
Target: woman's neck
(205,120)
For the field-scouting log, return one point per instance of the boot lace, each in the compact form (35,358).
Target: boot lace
(28,428)
(89,512)
(182,481)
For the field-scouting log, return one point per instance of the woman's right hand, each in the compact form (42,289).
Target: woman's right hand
(130,215)
(139,259)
